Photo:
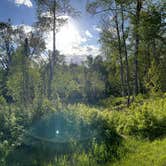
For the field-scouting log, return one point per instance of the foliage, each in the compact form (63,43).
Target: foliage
(82,130)
(143,153)
(45,117)
(152,78)
(145,121)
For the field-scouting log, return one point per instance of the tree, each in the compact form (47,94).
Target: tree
(51,15)
(23,77)
(126,55)
(151,36)
(114,9)
(6,44)
(92,7)
(139,4)
(152,79)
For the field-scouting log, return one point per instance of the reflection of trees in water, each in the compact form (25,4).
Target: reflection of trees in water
(58,134)
(62,134)
(38,155)
(60,127)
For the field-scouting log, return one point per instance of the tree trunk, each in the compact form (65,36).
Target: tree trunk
(8,46)
(126,58)
(26,90)
(137,40)
(120,55)
(156,57)
(53,57)
(148,57)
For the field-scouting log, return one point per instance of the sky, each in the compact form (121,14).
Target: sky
(76,39)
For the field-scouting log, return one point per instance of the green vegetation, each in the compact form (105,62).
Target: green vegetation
(144,153)
(89,135)
(108,110)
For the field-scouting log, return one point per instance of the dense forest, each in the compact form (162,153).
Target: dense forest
(109,109)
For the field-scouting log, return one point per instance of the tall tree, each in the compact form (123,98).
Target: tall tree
(116,9)
(139,4)
(51,15)
(126,54)
(120,51)
(110,8)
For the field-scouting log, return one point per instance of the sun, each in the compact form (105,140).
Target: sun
(68,37)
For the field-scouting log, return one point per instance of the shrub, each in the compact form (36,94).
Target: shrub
(147,120)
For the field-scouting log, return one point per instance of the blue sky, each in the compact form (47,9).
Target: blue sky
(23,12)
(18,13)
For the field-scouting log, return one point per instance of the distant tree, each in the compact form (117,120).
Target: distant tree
(23,77)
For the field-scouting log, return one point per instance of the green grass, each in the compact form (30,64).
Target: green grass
(143,153)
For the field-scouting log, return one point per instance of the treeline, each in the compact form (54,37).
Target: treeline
(25,72)
(132,61)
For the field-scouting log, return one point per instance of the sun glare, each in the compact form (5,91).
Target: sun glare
(67,39)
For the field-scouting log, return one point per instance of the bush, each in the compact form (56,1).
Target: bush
(76,129)
(146,121)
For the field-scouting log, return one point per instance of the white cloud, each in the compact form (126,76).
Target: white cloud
(96,28)
(27,3)
(80,53)
(26,28)
(88,34)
